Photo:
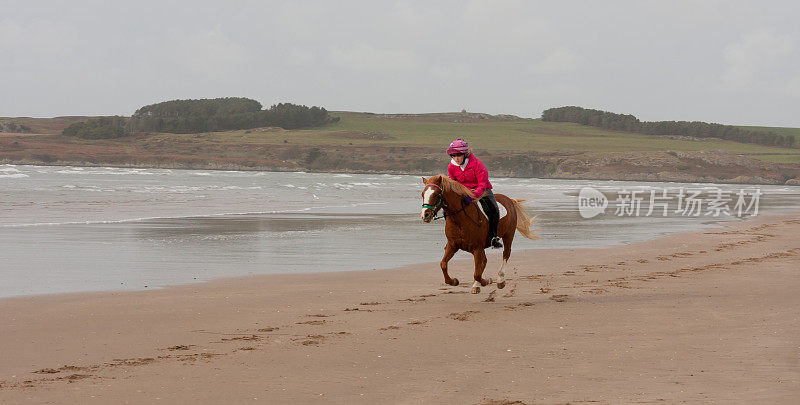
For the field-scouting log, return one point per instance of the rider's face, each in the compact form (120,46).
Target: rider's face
(459,158)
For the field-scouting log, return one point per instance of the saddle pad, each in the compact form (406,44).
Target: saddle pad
(500,208)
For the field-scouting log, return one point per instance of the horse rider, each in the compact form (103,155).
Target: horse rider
(468,170)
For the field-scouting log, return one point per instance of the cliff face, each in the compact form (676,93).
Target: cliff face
(716,167)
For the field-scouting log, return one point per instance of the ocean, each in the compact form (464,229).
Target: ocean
(73,229)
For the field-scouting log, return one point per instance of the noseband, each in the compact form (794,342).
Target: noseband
(440,203)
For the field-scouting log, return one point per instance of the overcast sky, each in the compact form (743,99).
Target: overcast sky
(722,61)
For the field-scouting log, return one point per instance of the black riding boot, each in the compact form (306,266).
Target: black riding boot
(489,204)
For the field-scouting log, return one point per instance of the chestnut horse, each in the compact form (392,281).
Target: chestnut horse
(466,228)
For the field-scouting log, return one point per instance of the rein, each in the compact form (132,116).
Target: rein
(442,203)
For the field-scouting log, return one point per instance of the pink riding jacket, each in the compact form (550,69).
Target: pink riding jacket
(474,176)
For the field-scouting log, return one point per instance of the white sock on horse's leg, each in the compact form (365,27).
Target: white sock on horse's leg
(476,287)
(501,277)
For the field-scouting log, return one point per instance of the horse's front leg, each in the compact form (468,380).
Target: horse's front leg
(480,265)
(449,252)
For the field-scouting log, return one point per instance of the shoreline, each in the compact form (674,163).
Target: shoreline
(160,233)
(648,177)
(607,325)
(701,226)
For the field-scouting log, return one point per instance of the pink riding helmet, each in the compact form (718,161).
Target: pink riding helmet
(458,146)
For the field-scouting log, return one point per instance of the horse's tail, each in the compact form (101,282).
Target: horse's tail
(524,221)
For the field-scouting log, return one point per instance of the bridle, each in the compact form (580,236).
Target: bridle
(441,203)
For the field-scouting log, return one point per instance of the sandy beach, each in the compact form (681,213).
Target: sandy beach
(705,317)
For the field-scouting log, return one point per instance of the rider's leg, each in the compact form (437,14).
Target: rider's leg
(489,204)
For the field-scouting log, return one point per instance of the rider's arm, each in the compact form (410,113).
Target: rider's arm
(483,180)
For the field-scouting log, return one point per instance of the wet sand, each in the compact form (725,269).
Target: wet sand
(698,317)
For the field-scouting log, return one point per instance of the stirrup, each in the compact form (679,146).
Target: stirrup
(496,244)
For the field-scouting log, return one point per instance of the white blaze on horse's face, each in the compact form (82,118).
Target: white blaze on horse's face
(427,195)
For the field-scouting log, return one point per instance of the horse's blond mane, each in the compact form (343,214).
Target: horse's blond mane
(448,184)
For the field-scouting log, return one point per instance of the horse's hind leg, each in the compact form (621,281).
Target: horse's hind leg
(449,251)
(501,276)
(480,265)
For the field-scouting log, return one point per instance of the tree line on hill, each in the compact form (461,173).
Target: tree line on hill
(204,115)
(14,128)
(627,122)
(99,128)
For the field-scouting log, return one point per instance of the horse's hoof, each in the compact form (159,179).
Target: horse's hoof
(455,281)
(476,290)
(501,285)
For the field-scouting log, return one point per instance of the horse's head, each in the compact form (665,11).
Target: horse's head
(432,200)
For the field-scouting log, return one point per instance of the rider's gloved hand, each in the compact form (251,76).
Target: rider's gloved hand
(466,200)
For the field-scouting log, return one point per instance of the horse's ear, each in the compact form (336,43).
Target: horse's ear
(424,180)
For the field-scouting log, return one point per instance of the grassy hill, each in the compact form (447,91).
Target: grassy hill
(414,143)
(513,134)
